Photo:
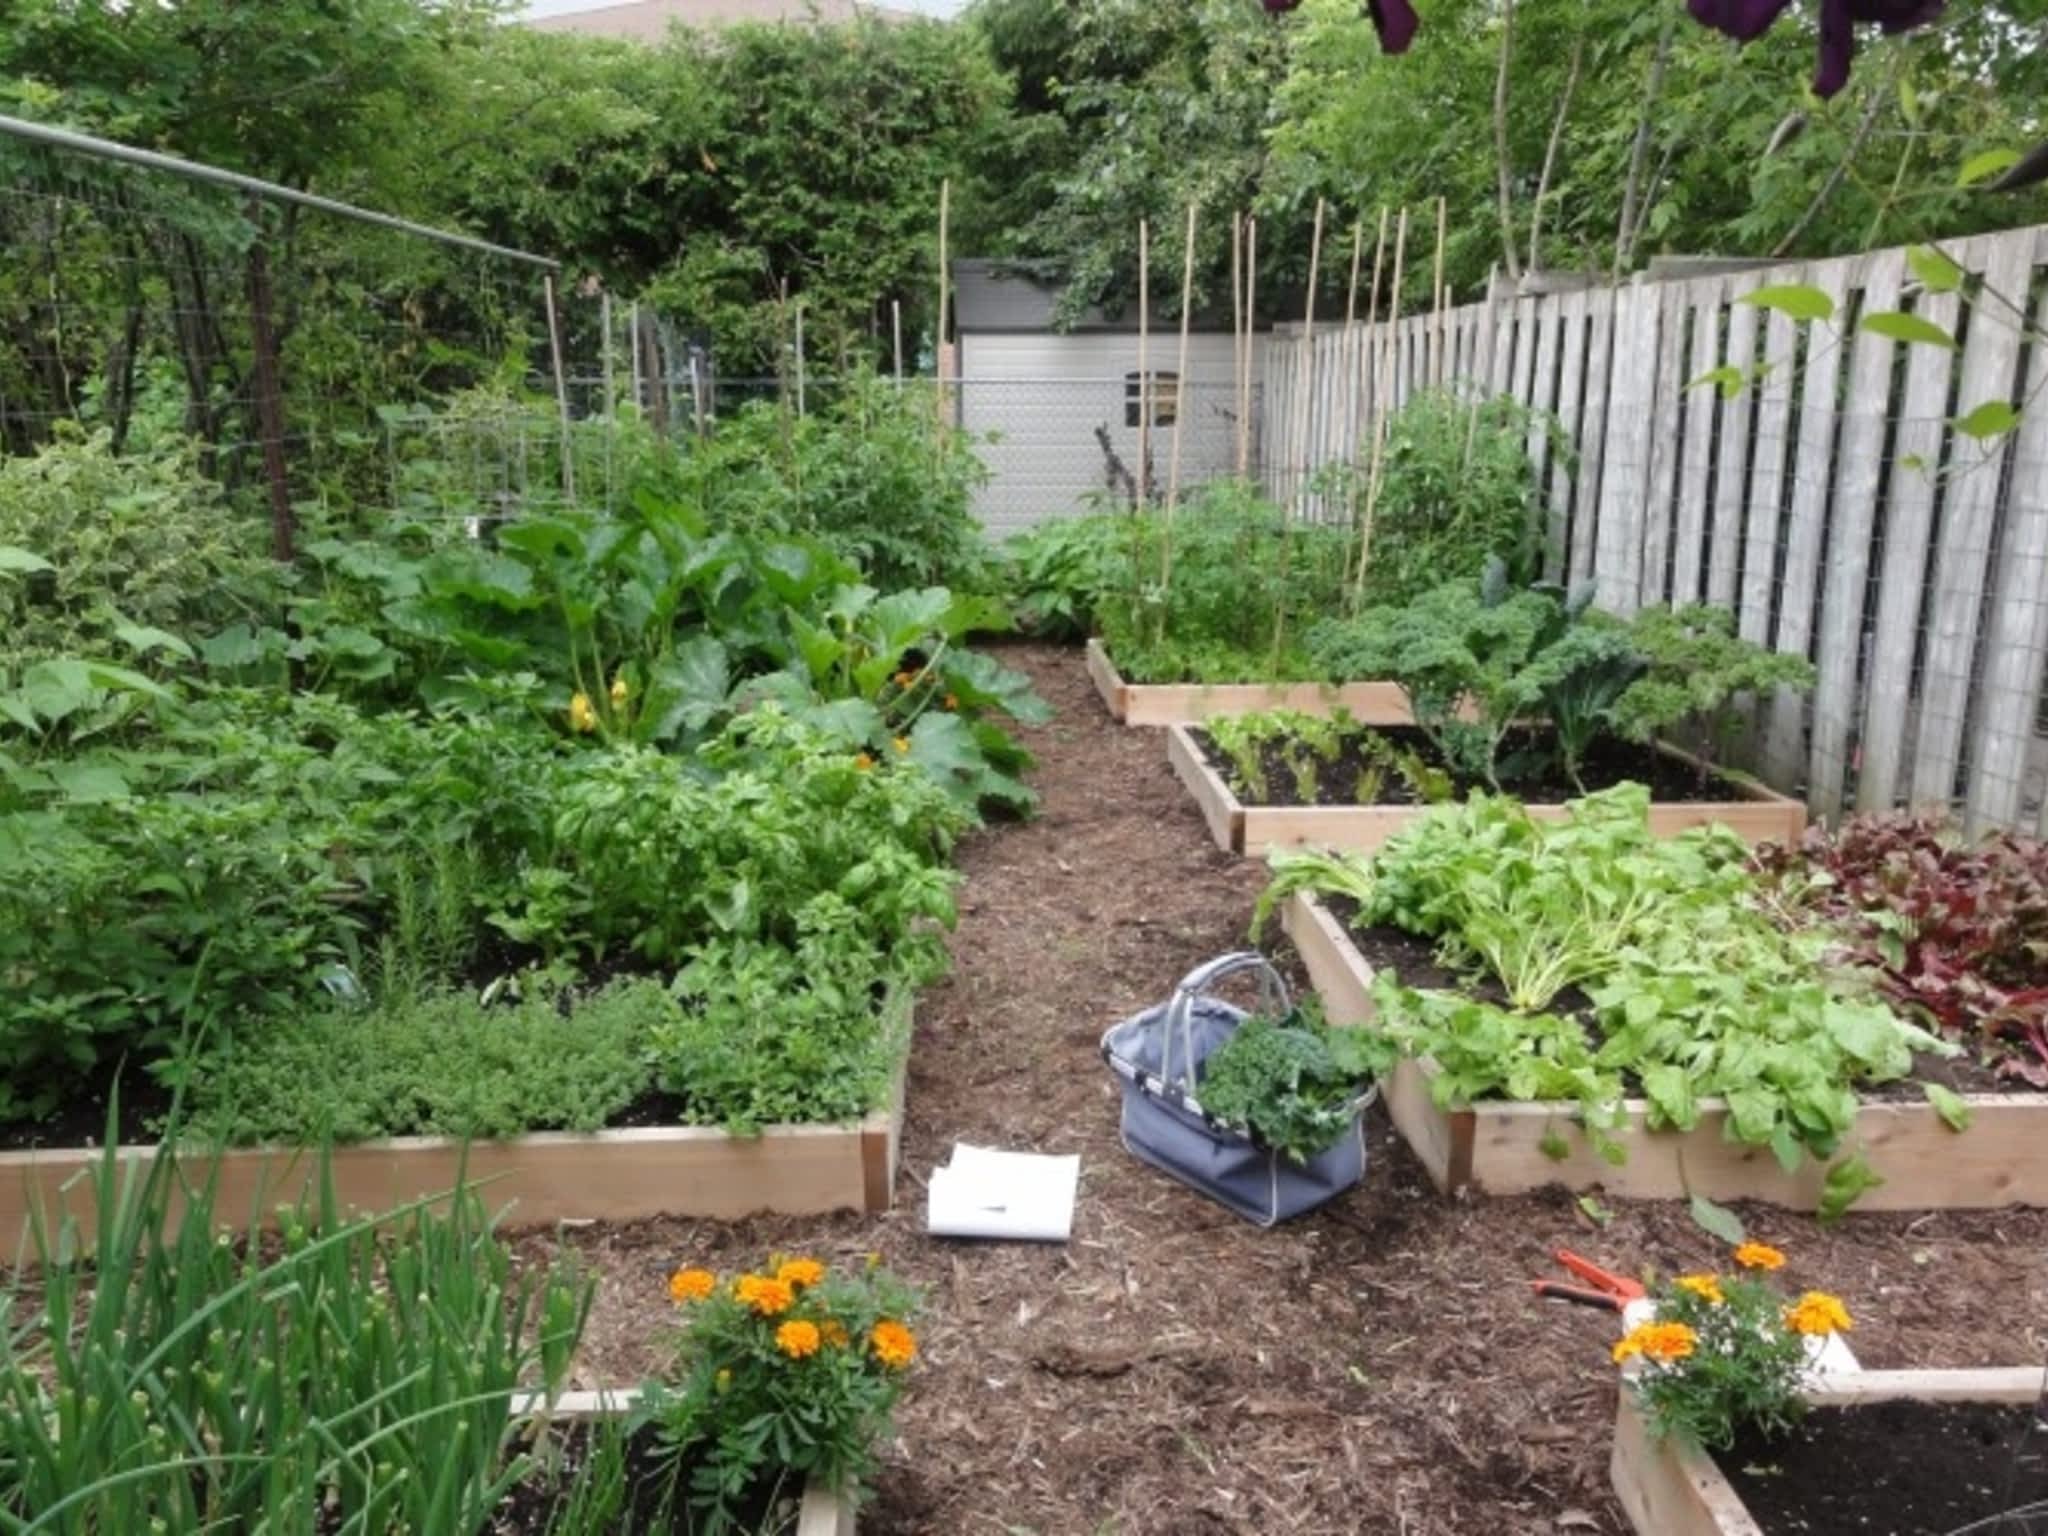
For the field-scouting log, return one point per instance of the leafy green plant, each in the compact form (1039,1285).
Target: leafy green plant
(434,1064)
(1727,1353)
(1294,1084)
(1058,574)
(1429,785)
(1694,669)
(352,1377)
(786,1373)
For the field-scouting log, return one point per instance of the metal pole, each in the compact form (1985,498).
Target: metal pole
(149,159)
(896,329)
(604,319)
(633,345)
(561,387)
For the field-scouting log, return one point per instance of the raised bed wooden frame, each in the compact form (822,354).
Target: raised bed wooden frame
(1506,1149)
(822,1512)
(1189,703)
(1762,815)
(543,1178)
(1672,1490)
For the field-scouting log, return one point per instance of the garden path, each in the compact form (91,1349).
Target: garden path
(1375,1367)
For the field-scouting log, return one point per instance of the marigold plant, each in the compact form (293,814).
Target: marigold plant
(1728,1352)
(781,1374)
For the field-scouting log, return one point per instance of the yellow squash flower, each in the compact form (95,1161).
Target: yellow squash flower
(797,1339)
(1759,1256)
(800,1272)
(902,743)
(582,718)
(1818,1314)
(722,1380)
(894,1345)
(691,1284)
(1706,1287)
(619,690)
(862,761)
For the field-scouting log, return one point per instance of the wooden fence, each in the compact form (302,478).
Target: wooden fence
(1831,503)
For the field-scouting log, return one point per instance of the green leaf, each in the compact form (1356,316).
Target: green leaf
(1728,378)
(1595,1212)
(1801,301)
(88,781)
(1901,326)
(1717,1221)
(15,560)
(1669,1090)
(1953,1108)
(1936,272)
(1986,164)
(1847,1182)
(1994,418)
(687,689)
(855,722)
(1553,1145)
(144,638)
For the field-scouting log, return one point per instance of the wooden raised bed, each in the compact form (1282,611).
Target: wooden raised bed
(821,1513)
(1188,703)
(1499,1148)
(1761,815)
(543,1178)
(1673,1490)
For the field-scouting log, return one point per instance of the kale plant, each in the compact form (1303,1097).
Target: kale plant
(1293,1083)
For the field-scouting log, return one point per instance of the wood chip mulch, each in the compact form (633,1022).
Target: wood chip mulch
(1378,1366)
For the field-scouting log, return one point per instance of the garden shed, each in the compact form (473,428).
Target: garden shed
(1065,402)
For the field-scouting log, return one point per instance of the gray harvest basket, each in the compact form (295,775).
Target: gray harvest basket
(1158,1055)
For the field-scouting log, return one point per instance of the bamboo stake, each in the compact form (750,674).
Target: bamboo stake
(561,395)
(1363,397)
(896,336)
(1180,405)
(1350,347)
(1389,354)
(800,357)
(939,340)
(1251,310)
(1305,406)
(1237,337)
(1144,364)
(1439,342)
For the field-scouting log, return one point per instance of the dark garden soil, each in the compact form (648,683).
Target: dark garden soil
(1607,764)
(1413,961)
(1377,1367)
(1895,1469)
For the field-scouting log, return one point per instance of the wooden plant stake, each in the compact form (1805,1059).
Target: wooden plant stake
(1439,342)
(1251,309)
(800,357)
(1237,338)
(1388,359)
(1144,475)
(939,340)
(1303,404)
(1180,410)
(1364,383)
(896,337)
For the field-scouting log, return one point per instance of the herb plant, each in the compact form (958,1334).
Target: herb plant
(1694,669)
(791,1371)
(1293,1083)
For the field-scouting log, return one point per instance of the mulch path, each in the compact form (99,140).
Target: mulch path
(1377,1366)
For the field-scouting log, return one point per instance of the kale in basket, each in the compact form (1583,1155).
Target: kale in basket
(1291,1082)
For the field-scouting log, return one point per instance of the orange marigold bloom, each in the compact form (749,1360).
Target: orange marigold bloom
(1706,1287)
(768,1296)
(1759,1256)
(800,1272)
(691,1284)
(834,1333)
(1817,1314)
(1661,1342)
(905,678)
(894,1345)
(862,761)
(952,701)
(797,1339)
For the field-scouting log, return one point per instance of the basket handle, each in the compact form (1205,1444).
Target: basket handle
(1274,998)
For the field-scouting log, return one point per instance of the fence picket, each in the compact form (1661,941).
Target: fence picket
(1767,478)
(1625,477)
(1699,402)
(1866,409)
(1731,478)
(1571,328)
(1592,436)
(1668,343)
(1969,520)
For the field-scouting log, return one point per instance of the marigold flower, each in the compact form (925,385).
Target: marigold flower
(1661,1342)
(862,761)
(1759,1256)
(834,1333)
(952,701)
(902,743)
(691,1284)
(619,691)
(797,1339)
(800,1272)
(766,1295)
(894,1345)
(582,718)
(1706,1287)
(1818,1314)
(905,678)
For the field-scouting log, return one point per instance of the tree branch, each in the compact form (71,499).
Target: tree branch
(1631,219)
(1564,107)
(1880,93)
(1500,138)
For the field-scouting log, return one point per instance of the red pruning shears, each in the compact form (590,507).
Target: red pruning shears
(1602,1288)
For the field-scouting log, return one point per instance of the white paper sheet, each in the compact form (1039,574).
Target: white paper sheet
(1018,1195)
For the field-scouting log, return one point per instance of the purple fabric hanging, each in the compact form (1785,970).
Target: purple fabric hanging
(1746,20)
(1394,20)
